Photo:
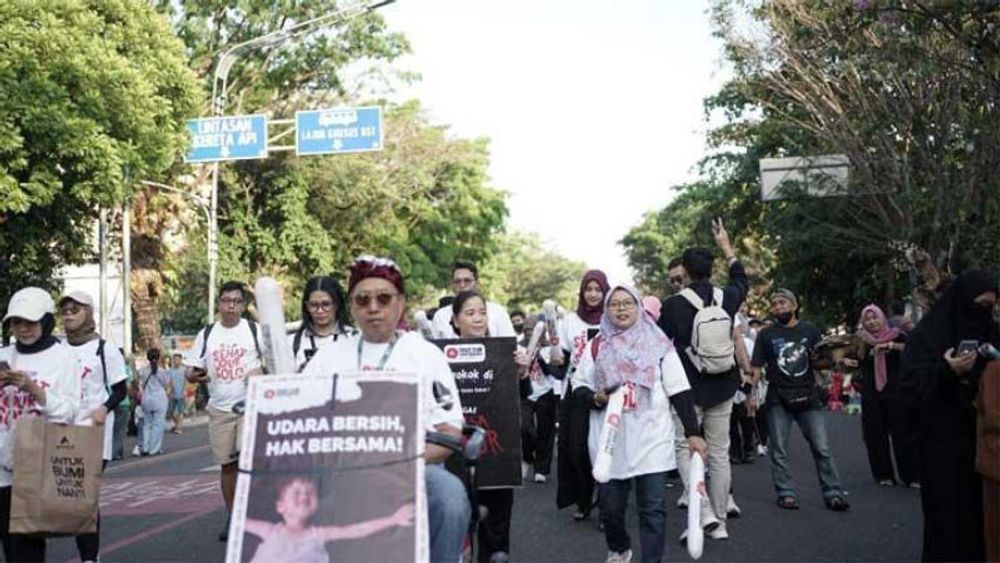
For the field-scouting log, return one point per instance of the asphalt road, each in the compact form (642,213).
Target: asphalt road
(168,508)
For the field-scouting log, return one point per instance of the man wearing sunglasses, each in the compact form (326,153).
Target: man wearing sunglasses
(377,296)
(224,354)
(465,277)
(677,276)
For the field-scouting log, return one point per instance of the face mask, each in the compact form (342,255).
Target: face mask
(518,327)
(784,318)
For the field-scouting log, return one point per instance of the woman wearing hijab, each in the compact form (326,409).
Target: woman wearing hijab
(324,318)
(633,354)
(882,413)
(37,378)
(943,381)
(101,370)
(576,484)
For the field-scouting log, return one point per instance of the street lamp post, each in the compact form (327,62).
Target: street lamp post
(219,82)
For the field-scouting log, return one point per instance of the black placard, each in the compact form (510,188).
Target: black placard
(486,376)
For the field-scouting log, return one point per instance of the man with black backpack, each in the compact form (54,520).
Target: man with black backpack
(228,351)
(699,320)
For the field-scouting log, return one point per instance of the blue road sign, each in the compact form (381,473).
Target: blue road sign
(338,130)
(236,137)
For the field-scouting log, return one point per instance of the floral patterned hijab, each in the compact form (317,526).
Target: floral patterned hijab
(632,354)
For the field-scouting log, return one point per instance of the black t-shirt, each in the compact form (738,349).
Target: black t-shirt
(785,354)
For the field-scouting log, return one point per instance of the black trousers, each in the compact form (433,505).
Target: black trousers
(741,433)
(761,422)
(17,547)
(576,480)
(89,545)
(538,431)
(494,531)
(883,417)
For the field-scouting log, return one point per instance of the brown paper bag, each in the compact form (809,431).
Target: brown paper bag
(57,478)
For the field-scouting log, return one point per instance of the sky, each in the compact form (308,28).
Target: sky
(593,107)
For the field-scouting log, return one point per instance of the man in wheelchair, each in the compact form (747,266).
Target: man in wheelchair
(377,301)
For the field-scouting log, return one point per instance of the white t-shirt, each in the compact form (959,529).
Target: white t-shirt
(93,391)
(53,370)
(497,320)
(229,356)
(410,354)
(645,441)
(573,338)
(541,383)
(310,343)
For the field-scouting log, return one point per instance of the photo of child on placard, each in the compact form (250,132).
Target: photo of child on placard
(294,532)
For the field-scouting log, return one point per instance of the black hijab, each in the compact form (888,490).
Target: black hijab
(956,316)
(45,342)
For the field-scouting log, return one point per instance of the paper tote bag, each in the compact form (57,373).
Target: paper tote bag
(57,478)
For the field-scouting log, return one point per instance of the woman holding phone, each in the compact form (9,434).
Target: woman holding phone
(940,375)
(37,378)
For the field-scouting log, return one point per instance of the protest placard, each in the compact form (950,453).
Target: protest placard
(486,376)
(331,480)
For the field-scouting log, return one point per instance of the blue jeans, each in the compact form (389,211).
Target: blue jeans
(779,422)
(651,498)
(447,513)
(153,422)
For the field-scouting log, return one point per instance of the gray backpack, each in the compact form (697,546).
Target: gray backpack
(712,349)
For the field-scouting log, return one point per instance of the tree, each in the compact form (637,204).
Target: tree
(908,90)
(90,93)
(524,273)
(423,201)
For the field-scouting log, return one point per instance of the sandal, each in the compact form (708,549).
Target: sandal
(788,503)
(837,503)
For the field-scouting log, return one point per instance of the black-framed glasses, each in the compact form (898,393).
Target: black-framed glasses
(70,310)
(365,299)
(320,305)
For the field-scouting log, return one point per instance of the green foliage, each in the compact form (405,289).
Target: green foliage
(423,201)
(907,91)
(90,91)
(524,273)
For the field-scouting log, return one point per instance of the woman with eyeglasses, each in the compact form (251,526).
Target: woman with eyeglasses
(37,378)
(324,318)
(576,483)
(470,320)
(632,354)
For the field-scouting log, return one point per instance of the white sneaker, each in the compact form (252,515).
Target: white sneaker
(732,511)
(682,502)
(136,451)
(623,557)
(525,469)
(539,477)
(708,520)
(719,533)
(761,450)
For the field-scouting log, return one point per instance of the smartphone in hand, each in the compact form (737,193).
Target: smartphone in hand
(966,346)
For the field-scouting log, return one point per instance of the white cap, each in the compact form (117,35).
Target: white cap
(30,304)
(81,297)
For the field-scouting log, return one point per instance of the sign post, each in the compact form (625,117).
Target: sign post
(237,137)
(338,130)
